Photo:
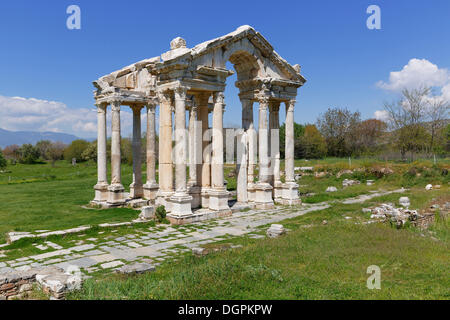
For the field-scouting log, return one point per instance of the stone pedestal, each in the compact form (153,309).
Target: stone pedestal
(195,193)
(116,194)
(290,194)
(163,199)
(218,200)
(263,196)
(251,192)
(101,192)
(204,197)
(150,191)
(278,191)
(180,205)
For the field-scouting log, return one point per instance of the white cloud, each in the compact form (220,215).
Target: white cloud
(417,73)
(381,115)
(30,114)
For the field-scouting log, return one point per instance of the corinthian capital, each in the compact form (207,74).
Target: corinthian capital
(180,93)
(219,97)
(165,97)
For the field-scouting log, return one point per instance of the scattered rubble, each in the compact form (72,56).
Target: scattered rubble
(342,172)
(147,213)
(400,216)
(348,182)
(429,187)
(53,281)
(320,174)
(275,230)
(331,189)
(370,182)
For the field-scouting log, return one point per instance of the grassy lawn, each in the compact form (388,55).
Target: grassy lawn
(40,197)
(313,261)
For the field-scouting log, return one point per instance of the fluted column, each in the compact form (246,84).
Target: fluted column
(274,125)
(193,145)
(203,112)
(151,186)
(136,187)
(218,195)
(289,148)
(181,200)
(217,142)
(101,187)
(116,188)
(263,141)
(165,143)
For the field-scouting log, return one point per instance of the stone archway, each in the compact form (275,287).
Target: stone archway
(194,80)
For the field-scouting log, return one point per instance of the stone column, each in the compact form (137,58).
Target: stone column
(136,187)
(241,166)
(180,201)
(193,145)
(101,188)
(205,174)
(263,194)
(165,150)
(250,148)
(274,124)
(290,188)
(151,187)
(289,148)
(218,199)
(116,190)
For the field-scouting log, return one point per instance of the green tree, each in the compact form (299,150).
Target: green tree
(3,162)
(43,146)
(90,153)
(28,154)
(313,142)
(298,133)
(55,152)
(75,149)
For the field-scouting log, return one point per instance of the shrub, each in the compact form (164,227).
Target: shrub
(28,154)
(2,160)
(75,149)
(160,213)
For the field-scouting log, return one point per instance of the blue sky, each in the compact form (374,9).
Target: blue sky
(340,57)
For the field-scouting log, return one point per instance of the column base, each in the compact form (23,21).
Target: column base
(150,191)
(180,205)
(218,199)
(136,191)
(251,192)
(204,197)
(278,191)
(101,192)
(163,199)
(116,194)
(195,193)
(290,194)
(263,196)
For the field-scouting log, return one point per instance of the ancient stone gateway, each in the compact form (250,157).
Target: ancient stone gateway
(193,80)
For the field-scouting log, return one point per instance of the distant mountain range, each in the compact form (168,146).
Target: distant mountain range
(20,137)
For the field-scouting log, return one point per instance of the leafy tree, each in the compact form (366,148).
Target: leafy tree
(370,134)
(75,149)
(55,152)
(43,146)
(339,128)
(298,133)
(3,162)
(313,142)
(12,153)
(28,154)
(90,153)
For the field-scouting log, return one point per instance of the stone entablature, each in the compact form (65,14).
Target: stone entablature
(193,80)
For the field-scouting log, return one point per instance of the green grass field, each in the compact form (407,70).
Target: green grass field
(313,261)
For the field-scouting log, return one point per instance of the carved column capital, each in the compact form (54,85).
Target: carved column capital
(115,105)
(101,107)
(274,106)
(165,97)
(180,93)
(219,97)
(290,104)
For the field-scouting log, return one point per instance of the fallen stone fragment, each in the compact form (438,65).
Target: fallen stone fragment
(331,189)
(428,187)
(275,230)
(404,202)
(348,182)
(147,213)
(137,268)
(370,182)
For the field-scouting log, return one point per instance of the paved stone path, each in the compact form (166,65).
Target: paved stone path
(155,244)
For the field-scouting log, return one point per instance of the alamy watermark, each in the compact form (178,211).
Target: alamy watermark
(374,280)
(374,20)
(73,22)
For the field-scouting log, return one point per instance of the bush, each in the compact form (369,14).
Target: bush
(75,150)
(161,213)
(28,154)
(2,160)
